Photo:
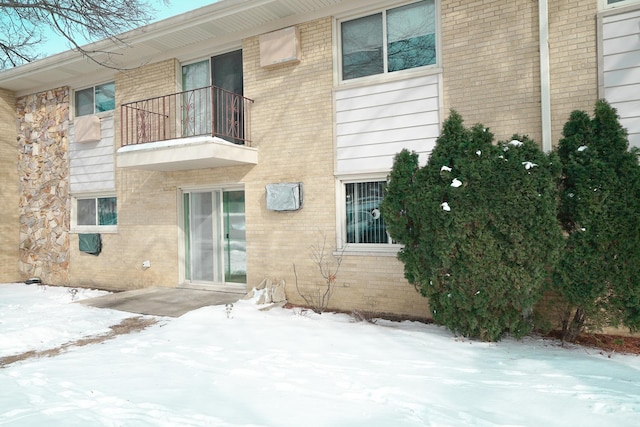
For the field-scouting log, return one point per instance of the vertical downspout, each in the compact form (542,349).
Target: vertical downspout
(545,85)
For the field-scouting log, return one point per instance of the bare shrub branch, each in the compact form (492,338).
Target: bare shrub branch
(317,296)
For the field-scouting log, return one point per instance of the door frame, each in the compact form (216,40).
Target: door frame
(183,282)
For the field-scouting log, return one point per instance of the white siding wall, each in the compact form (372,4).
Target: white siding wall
(373,123)
(621,69)
(92,167)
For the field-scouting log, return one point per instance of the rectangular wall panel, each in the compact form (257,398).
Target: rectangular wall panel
(375,122)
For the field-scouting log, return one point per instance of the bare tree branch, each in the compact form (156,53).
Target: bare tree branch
(77,21)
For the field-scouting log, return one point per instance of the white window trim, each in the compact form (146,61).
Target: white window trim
(606,6)
(99,114)
(367,249)
(385,76)
(79,229)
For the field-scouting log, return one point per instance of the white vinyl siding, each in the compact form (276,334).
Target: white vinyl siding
(92,166)
(621,69)
(375,122)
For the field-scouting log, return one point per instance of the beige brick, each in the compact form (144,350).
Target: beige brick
(573,58)
(147,211)
(9,198)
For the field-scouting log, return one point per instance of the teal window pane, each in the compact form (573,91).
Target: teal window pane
(411,40)
(107,211)
(95,99)
(362,47)
(86,211)
(105,97)
(84,102)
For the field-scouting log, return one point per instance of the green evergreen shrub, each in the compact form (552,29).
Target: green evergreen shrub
(598,275)
(479,228)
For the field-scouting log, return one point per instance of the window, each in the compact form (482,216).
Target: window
(95,212)
(395,39)
(617,3)
(363,220)
(95,99)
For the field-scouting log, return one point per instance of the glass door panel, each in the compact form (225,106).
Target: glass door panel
(226,74)
(196,104)
(202,237)
(235,244)
(215,239)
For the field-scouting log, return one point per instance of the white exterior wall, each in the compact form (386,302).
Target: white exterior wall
(375,122)
(620,69)
(92,166)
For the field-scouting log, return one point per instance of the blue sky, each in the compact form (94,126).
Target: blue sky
(56,44)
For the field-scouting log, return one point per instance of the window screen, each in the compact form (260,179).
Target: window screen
(364,222)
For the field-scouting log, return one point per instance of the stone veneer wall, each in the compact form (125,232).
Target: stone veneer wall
(43,168)
(8,189)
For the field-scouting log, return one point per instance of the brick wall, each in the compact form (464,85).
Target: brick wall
(573,60)
(491,65)
(293,128)
(491,62)
(147,207)
(8,189)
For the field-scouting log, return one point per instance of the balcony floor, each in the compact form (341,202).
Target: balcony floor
(199,152)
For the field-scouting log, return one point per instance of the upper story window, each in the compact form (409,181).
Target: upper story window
(394,39)
(95,99)
(614,3)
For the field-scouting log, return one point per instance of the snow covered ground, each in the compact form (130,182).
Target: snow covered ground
(293,368)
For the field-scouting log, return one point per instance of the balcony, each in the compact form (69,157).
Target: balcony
(202,128)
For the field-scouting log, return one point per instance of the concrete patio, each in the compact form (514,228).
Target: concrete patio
(170,302)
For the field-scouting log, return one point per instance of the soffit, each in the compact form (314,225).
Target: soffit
(223,22)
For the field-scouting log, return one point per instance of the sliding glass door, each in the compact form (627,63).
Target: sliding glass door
(215,239)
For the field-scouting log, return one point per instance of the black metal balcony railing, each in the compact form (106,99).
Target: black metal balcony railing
(205,111)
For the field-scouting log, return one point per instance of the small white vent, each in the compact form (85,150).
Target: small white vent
(286,196)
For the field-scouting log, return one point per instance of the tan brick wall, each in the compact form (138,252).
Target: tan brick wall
(147,209)
(573,60)
(292,125)
(491,64)
(293,128)
(8,188)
